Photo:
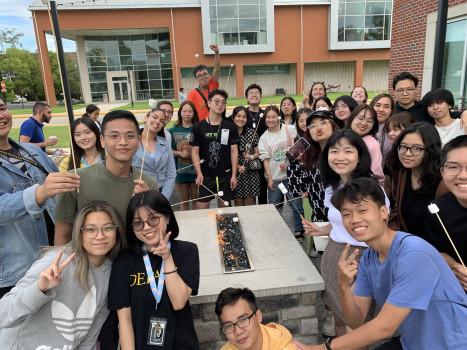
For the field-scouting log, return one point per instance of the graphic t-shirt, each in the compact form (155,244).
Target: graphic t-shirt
(129,287)
(181,142)
(198,101)
(415,276)
(214,143)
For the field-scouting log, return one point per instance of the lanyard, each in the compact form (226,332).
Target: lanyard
(159,287)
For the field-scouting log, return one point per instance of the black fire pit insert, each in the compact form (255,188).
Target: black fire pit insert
(234,255)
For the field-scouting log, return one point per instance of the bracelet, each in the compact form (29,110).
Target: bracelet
(168,273)
(328,344)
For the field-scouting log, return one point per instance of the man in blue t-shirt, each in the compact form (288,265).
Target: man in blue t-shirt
(418,293)
(31,129)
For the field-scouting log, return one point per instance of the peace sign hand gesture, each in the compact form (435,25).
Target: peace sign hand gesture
(50,277)
(348,268)
(162,249)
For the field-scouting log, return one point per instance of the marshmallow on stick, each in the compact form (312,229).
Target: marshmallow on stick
(284,192)
(433,208)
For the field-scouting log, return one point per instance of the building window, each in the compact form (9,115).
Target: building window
(266,69)
(147,55)
(239,26)
(360,24)
(454,67)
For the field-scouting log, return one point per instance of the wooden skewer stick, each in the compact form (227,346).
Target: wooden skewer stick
(216,195)
(433,208)
(191,200)
(188,166)
(144,151)
(262,211)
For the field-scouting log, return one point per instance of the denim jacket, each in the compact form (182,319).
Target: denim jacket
(163,167)
(22,224)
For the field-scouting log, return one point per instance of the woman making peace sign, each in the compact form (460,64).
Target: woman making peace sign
(151,283)
(61,302)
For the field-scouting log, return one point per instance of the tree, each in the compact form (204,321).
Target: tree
(71,64)
(8,37)
(26,64)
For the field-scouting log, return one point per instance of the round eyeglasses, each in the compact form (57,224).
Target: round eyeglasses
(414,150)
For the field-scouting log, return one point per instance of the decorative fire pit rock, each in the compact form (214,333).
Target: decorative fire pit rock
(233,251)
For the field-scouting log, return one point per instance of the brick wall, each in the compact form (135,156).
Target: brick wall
(408,37)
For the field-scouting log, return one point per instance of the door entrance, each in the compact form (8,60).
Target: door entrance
(121,90)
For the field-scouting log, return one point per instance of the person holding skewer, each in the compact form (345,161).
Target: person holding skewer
(150,284)
(249,164)
(215,140)
(185,181)
(419,296)
(453,209)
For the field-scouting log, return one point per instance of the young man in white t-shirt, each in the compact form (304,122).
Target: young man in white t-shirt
(438,104)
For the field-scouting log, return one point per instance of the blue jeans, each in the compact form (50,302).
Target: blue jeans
(297,209)
(275,196)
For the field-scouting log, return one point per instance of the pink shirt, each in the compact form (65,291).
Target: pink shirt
(376,158)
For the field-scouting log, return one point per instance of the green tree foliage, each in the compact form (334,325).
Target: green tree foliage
(8,38)
(71,64)
(26,64)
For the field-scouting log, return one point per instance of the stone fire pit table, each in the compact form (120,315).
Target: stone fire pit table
(284,279)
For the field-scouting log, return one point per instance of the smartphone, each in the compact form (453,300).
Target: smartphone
(298,148)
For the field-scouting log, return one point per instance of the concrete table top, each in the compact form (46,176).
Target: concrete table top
(280,264)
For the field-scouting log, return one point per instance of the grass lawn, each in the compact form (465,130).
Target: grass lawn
(61,131)
(242,101)
(56,109)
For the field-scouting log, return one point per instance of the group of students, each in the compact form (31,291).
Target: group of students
(132,243)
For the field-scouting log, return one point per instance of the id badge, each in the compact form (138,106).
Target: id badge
(157,328)
(225,137)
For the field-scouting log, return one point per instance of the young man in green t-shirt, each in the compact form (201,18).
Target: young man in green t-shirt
(114,180)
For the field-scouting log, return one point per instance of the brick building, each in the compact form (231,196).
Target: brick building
(413,44)
(147,47)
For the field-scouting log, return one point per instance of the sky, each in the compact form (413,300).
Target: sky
(15,14)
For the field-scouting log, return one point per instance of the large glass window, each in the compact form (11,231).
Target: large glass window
(239,25)
(148,55)
(364,20)
(455,58)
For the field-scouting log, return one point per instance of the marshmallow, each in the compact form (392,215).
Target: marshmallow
(152,103)
(261,115)
(254,125)
(220,193)
(235,219)
(282,188)
(433,208)
(220,211)
(201,161)
(197,55)
(226,203)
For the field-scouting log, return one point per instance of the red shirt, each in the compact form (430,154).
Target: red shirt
(195,97)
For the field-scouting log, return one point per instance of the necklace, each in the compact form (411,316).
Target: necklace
(212,131)
(92,160)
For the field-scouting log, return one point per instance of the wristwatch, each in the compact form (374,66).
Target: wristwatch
(328,344)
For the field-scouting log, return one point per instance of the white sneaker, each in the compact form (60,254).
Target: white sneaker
(314,253)
(329,328)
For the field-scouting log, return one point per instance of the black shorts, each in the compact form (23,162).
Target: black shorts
(215,184)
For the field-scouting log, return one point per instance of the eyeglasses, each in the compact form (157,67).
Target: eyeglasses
(254,93)
(167,111)
(407,91)
(204,75)
(341,107)
(321,124)
(91,232)
(131,136)
(453,169)
(242,323)
(363,120)
(414,150)
(152,221)
(219,102)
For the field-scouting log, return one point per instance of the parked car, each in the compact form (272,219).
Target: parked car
(62,102)
(19,99)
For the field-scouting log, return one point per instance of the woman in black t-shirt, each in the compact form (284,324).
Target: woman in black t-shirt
(415,162)
(146,319)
